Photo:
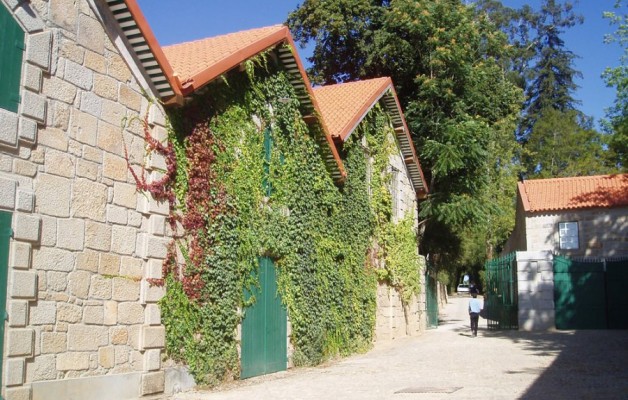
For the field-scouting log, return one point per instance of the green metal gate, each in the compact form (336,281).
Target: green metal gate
(616,293)
(5,236)
(590,293)
(264,328)
(431,300)
(501,294)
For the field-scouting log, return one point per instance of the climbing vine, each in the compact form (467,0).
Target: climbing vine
(233,205)
(395,242)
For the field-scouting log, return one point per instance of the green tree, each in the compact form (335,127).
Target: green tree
(446,61)
(540,63)
(562,145)
(551,79)
(617,77)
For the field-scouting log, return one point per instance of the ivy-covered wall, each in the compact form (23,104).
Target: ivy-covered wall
(236,196)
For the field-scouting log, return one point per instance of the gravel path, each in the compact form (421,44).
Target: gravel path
(448,363)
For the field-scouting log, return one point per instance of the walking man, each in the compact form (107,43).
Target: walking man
(474,311)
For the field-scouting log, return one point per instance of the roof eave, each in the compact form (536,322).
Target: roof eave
(158,53)
(524,196)
(407,148)
(315,105)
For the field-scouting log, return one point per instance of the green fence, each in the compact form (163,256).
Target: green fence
(501,294)
(591,293)
(431,300)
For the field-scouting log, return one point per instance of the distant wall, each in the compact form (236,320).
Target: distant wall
(602,232)
(517,239)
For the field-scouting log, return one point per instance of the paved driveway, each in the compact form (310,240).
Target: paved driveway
(448,363)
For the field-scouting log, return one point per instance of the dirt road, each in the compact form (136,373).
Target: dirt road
(448,363)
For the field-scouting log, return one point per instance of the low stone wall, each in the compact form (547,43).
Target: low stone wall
(392,321)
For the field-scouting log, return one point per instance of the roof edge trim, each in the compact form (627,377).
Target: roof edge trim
(154,46)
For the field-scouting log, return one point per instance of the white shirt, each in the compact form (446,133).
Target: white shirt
(475,306)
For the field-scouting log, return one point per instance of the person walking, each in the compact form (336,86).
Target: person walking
(474,311)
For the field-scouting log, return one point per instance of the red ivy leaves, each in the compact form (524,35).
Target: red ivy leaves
(205,199)
(161,189)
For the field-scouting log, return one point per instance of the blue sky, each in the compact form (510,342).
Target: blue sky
(175,21)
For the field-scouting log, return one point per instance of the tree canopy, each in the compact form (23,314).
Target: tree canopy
(617,77)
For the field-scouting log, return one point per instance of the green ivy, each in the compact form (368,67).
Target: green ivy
(325,239)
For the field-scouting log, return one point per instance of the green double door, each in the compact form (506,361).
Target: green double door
(264,328)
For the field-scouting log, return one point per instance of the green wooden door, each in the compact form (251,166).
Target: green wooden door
(579,295)
(5,236)
(264,328)
(11,49)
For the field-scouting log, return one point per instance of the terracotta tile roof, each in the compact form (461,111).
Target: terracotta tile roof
(559,194)
(200,61)
(344,105)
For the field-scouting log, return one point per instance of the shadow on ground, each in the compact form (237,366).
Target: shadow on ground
(589,364)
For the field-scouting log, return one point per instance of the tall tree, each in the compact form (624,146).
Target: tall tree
(551,80)
(561,144)
(541,63)
(446,62)
(617,77)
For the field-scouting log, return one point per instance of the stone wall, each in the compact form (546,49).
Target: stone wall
(535,280)
(81,315)
(404,200)
(392,320)
(602,232)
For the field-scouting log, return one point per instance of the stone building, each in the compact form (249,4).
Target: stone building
(79,244)
(82,318)
(585,216)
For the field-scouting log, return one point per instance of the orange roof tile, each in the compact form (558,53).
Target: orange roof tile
(344,105)
(198,62)
(559,194)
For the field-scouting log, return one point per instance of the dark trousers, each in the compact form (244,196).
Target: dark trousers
(474,322)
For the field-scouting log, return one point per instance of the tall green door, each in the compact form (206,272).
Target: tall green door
(264,328)
(5,236)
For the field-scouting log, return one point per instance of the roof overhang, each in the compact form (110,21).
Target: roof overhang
(146,51)
(404,139)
